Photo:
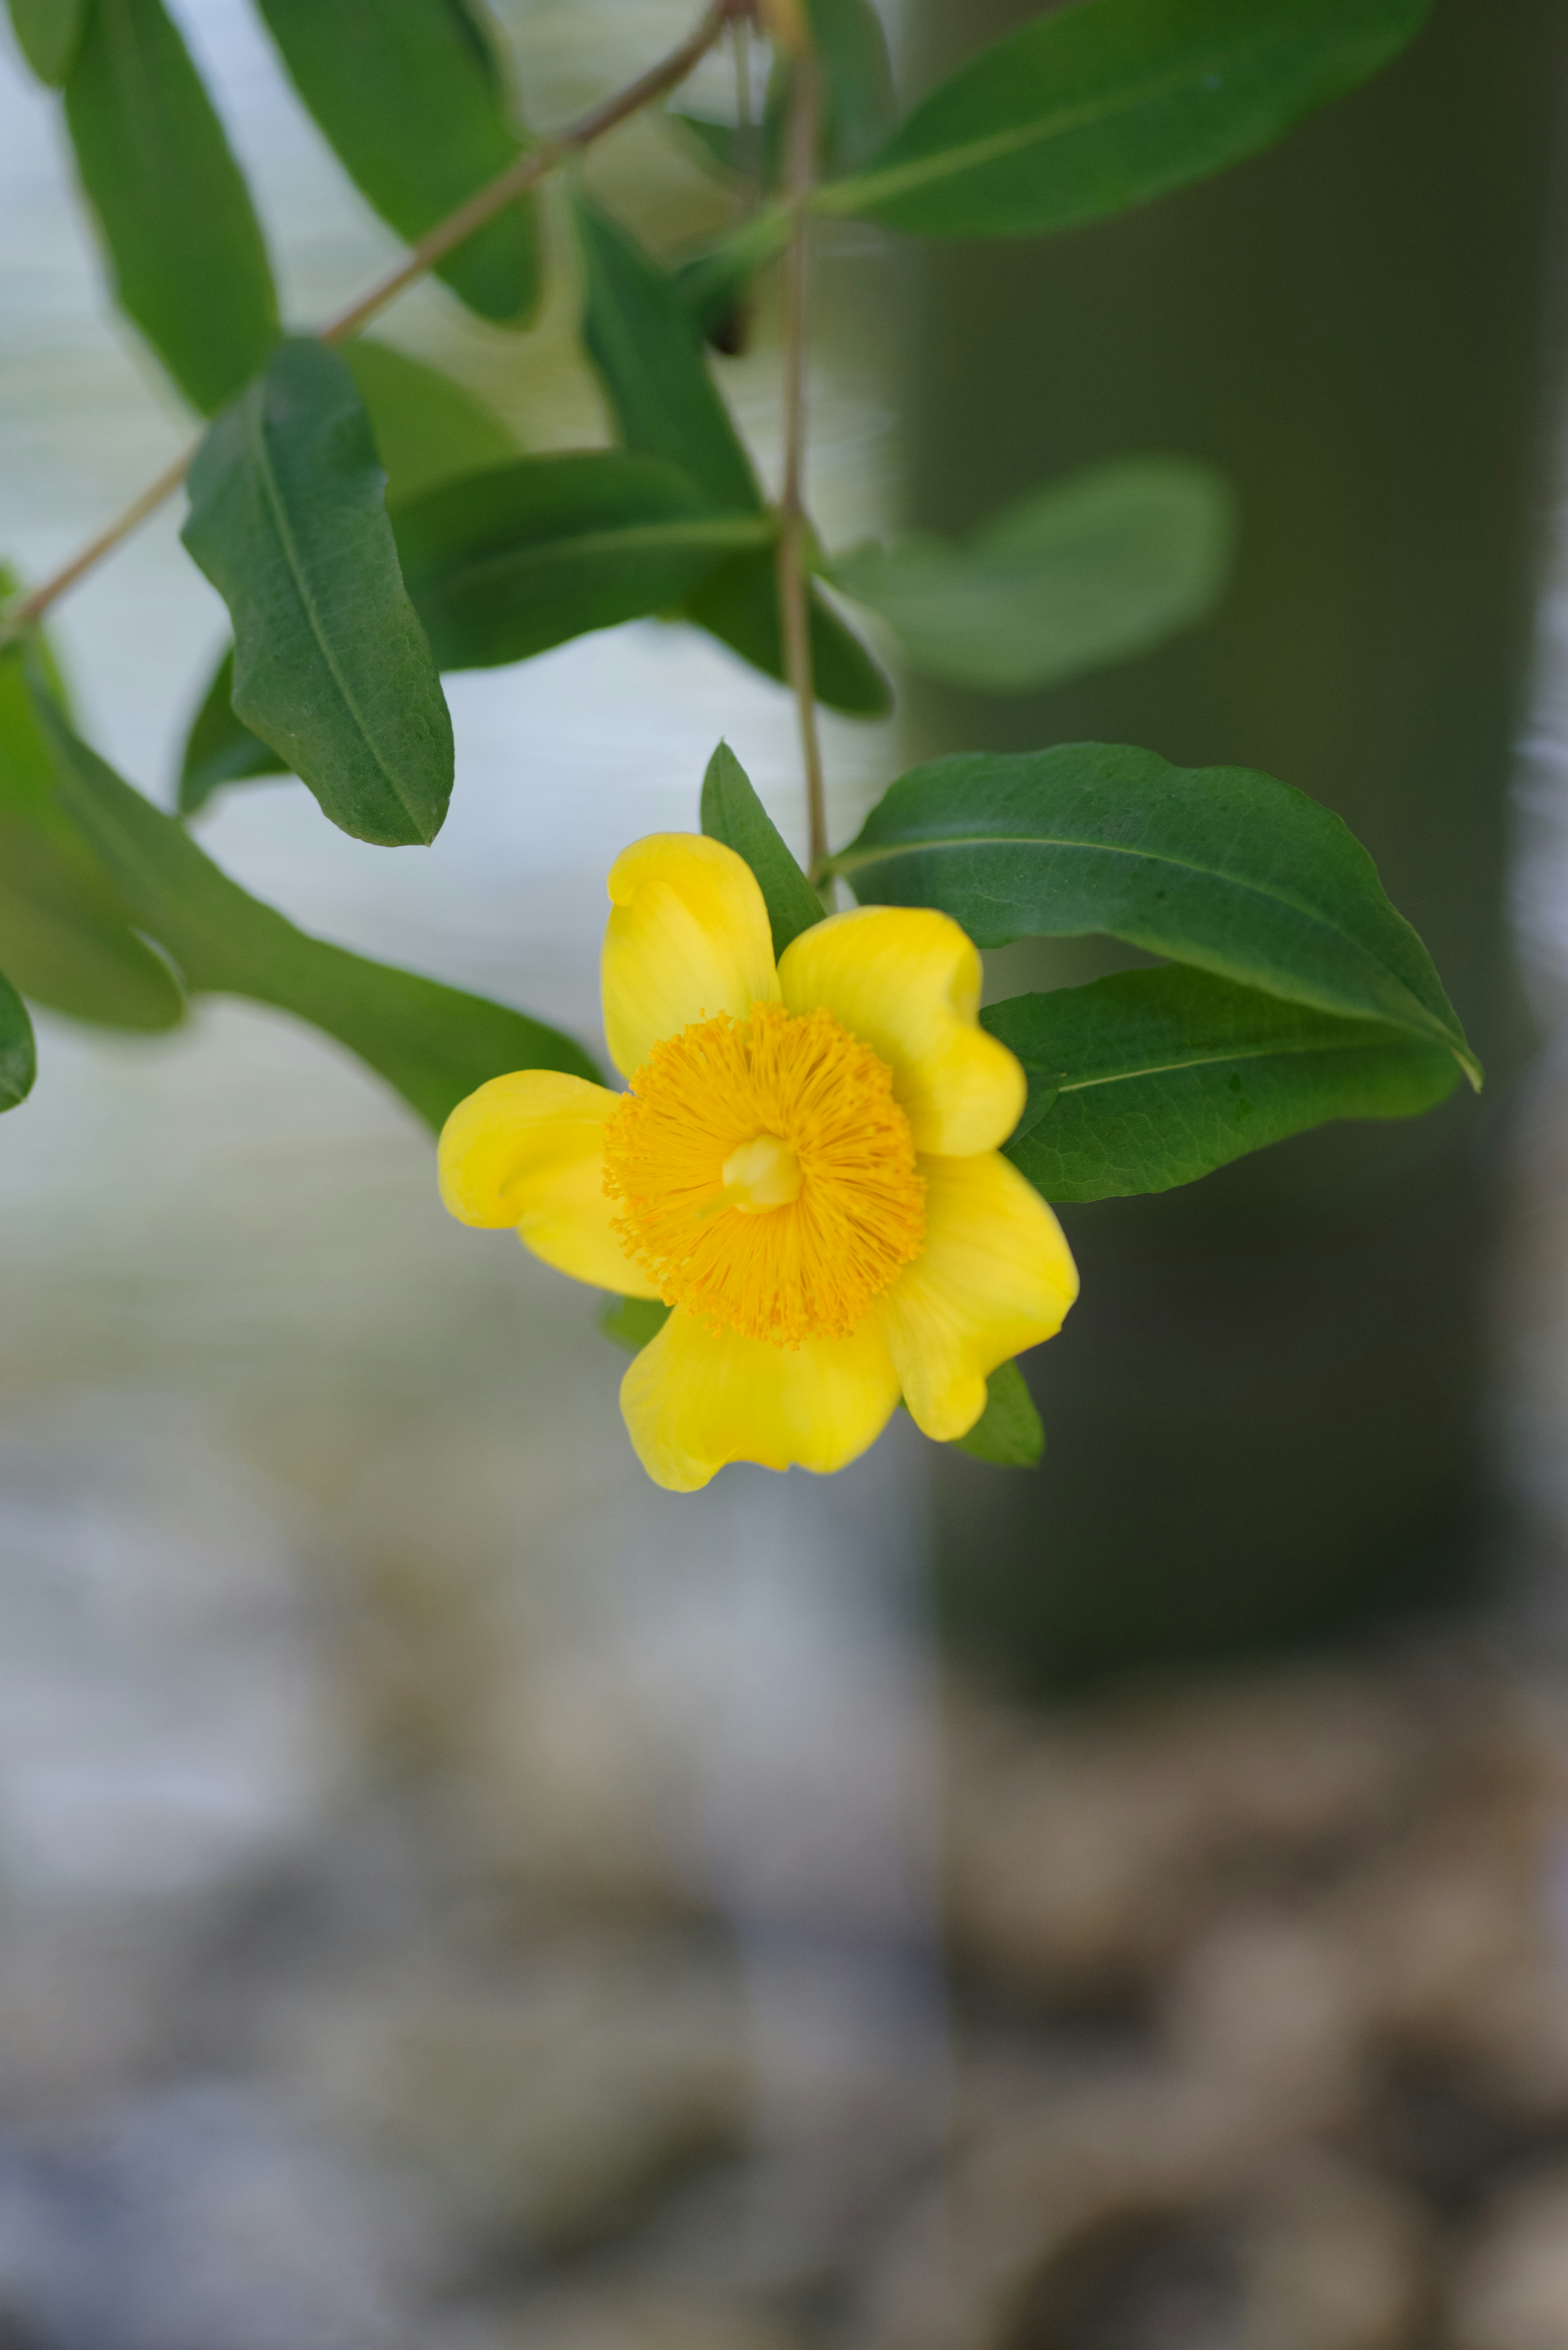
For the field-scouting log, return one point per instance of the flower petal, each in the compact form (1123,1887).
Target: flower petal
(905,981)
(528,1149)
(997,1275)
(688,937)
(693,1401)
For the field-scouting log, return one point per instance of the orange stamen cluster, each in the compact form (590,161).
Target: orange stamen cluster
(697,1196)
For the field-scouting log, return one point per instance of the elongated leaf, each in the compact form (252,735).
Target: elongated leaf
(183,242)
(220,748)
(857,105)
(710,284)
(1216,867)
(331,666)
(48,34)
(1089,109)
(1095,568)
(650,359)
(64,938)
(428,430)
(504,565)
(18,1055)
(1152,1079)
(410,97)
(732,813)
(434,1044)
(632,1322)
(1008,1434)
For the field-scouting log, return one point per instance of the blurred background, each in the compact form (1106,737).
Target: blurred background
(455,1895)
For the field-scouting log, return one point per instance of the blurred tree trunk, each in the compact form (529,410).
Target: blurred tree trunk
(1267,1417)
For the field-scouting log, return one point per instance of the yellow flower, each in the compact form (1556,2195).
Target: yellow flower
(807,1167)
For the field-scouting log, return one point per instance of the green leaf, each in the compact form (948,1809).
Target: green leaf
(184,245)
(1008,1434)
(1153,1078)
(65,938)
(1089,109)
(504,565)
(331,666)
(648,356)
(18,1055)
(434,1044)
(631,1322)
(428,430)
(710,284)
(48,34)
(858,109)
(1213,865)
(410,95)
(220,748)
(732,813)
(1095,568)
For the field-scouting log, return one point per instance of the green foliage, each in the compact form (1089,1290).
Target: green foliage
(1008,1434)
(631,1322)
(48,34)
(331,666)
(506,563)
(428,430)
(1219,867)
(1152,1079)
(65,938)
(1091,569)
(184,245)
(732,813)
(858,111)
(434,1044)
(220,748)
(410,97)
(710,284)
(1088,110)
(648,356)
(18,1055)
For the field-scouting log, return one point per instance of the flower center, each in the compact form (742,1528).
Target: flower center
(766,1175)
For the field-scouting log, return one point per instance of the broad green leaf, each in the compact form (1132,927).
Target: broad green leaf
(1086,110)
(712,283)
(1008,1434)
(18,1055)
(505,565)
(184,245)
(64,938)
(331,666)
(410,97)
(1217,867)
(732,813)
(631,1322)
(432,1044)
(220,748)
(428,430)
(648,356)
(1095,568)
(48,34)
(1152,1079)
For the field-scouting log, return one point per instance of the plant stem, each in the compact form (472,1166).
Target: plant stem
(795,607)
(516,180)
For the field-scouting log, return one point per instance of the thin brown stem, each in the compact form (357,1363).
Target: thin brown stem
(420,258)
(793,597)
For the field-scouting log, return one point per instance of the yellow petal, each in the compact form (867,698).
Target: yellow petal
(996,1276)
(905,981)
(688,937)
(693,1401)
(528,1149)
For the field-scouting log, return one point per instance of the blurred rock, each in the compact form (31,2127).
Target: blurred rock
(1340,2261)
(625,2316)
(1511,2291)
(1081,1852)
(1272,1999)
(543,2098)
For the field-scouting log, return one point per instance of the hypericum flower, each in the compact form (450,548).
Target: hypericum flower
(805,1166)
